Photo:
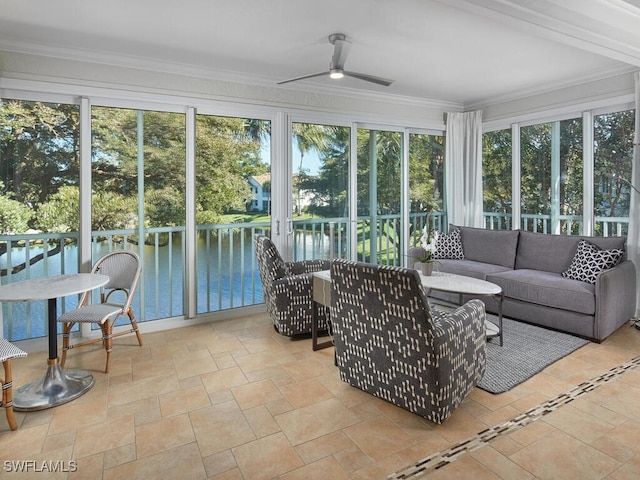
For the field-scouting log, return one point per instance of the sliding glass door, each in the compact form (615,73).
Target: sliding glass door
(319,195)
(379,197)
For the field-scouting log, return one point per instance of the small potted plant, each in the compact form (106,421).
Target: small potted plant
(424,261)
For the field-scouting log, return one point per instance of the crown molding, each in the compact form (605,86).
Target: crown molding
(209,73)
(612,27)
(552,87)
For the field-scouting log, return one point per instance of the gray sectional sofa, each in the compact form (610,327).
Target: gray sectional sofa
(529,266)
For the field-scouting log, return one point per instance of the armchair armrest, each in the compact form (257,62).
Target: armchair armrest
(460,346)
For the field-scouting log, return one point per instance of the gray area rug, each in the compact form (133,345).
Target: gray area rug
(527,350)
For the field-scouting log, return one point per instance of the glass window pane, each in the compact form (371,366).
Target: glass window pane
(613,157)
(320,190)
(426,184)
(144,215)
(552,177)
(39,204)
(497,180)
(379,197)
(233,202)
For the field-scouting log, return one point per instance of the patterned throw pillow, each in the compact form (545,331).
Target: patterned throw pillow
(590,260)
(449,246)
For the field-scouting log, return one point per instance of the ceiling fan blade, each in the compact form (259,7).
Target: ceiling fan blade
(340,53)
(303,77)
(385,82)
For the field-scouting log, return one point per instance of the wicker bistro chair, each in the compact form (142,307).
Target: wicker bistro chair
(123,268)
(287,288)
(8,351)
(391,345)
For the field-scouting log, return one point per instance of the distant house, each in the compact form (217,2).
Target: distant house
(261,190)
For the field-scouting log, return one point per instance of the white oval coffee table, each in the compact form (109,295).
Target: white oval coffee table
(452,283)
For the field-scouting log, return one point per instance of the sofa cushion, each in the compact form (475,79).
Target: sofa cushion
(449,245)
(554,253)
(591,260)
(490,246)
(469,268)
(547,289)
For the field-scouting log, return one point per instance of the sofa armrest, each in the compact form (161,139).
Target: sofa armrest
(615,299)
(460,345)
(307,266)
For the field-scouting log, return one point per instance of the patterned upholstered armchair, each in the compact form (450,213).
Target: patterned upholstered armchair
(390,344)
(287,288)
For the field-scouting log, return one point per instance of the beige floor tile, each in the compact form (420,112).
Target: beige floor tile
(500,464)
(380,469)
(181,462)
(559,455)
(193,363)
(256,393)
(353,459)
(267,457)
(223,379)
(322,447)
(578,424)
(119,456)
(105,436)
(306,392)
(141,389)
(220,463)
(220,427)
(307,423)
(165,434)
(183,400)
(378,437)
(77,414)
(261,421)
(23,443)
(319,470)
(466,467)
(262,360)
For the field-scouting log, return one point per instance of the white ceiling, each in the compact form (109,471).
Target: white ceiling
(470,52)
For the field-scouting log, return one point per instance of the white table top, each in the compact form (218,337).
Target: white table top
(449,282)
(44,288)
(323,274)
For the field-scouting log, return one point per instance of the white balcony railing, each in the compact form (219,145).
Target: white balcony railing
(227,273)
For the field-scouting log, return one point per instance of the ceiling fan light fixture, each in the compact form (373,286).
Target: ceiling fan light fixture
(336,73)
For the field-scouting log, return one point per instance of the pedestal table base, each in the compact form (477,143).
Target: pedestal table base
(55,388)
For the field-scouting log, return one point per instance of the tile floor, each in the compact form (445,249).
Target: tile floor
(234,400)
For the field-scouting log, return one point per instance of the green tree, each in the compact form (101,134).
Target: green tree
(39,149)
(14,216)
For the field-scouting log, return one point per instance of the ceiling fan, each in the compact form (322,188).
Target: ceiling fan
(336,67)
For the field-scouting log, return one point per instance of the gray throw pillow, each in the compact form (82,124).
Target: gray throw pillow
(449,246)
(590,260)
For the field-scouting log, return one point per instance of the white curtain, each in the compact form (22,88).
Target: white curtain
(633,240)
(463,167)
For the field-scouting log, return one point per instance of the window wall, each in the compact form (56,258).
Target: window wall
(550,168)
(188,187)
